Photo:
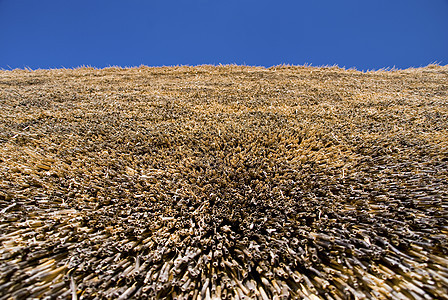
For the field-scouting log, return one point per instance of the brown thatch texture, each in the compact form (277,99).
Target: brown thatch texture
(227,181)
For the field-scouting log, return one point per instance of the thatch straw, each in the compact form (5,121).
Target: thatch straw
(224,182)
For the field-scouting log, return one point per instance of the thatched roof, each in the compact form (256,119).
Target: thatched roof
(224,181)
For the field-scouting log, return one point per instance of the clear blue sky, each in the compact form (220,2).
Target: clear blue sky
(354,33)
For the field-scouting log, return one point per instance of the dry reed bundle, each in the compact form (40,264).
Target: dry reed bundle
(224,182)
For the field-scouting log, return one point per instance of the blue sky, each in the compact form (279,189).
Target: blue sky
(357,34)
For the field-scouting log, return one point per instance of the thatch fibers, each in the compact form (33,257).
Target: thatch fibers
(217,182)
